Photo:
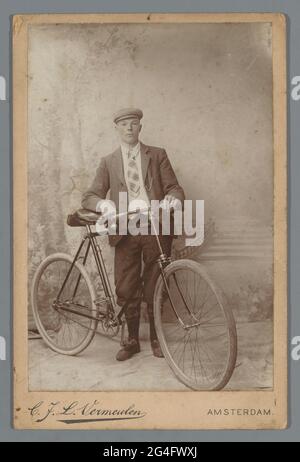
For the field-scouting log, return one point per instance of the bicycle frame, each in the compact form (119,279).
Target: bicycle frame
(163,260)
(90,238)
(63,287)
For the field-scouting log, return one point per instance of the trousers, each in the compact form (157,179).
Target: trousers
(136,273)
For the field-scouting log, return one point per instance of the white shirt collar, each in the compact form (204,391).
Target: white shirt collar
(126,147)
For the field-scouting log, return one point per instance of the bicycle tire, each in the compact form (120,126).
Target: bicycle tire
(161,296)
(90,330)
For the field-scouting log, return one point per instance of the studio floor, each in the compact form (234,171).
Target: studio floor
(96,369)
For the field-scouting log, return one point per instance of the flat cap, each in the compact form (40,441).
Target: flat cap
(128,113)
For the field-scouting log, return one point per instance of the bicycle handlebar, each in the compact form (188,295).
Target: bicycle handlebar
(132,212)
(90,216)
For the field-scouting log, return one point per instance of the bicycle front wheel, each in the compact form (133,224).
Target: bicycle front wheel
(196,329)
(63,304)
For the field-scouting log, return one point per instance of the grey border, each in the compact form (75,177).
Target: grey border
(292,10)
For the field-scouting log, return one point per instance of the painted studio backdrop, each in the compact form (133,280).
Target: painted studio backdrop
(206,94)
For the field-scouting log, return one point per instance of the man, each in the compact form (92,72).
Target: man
(145,173)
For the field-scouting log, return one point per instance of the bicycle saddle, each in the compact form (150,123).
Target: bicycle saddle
(83,217)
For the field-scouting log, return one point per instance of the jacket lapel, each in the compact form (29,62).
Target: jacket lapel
(118,166)
(145,159)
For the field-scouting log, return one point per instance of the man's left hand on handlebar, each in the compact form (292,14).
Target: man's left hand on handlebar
(171,202)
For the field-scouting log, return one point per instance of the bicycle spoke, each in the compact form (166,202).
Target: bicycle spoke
(177,348)
(64,330)
(193,360)
(200,311)
(199,354)
(199,350)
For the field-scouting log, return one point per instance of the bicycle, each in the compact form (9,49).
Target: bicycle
(195,327)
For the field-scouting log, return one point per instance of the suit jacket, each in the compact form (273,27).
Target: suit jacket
(158,175)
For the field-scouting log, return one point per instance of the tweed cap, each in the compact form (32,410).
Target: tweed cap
(127,113)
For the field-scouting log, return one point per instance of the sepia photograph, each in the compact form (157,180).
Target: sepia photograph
(150,221)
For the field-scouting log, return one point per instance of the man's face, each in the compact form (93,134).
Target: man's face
(128,130)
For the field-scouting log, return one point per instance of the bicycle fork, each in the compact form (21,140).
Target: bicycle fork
(163,261)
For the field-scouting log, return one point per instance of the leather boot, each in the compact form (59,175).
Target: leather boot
(156,350)
(132,346)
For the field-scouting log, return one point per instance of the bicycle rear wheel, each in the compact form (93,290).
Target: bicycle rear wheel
(63,304)
(196,329)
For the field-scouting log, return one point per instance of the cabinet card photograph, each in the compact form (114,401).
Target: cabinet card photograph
(149,166)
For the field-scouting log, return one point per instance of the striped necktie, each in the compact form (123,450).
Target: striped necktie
(133,174)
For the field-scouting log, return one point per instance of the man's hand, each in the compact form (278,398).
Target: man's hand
(107,220)
(170,201)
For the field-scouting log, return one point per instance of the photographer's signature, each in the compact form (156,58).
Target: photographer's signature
(78,412)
